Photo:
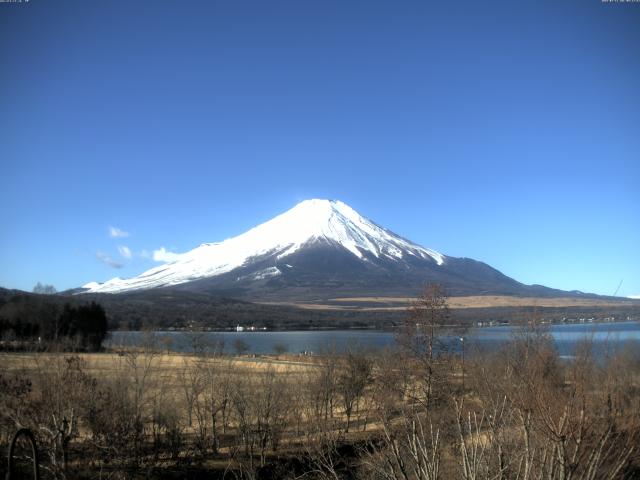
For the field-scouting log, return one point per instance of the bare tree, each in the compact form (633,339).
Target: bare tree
(280,348)
(408,449)
(191,382)
(44,289)
(427,316)
(240,346)
(216,392)
(353,377)
(322,446)
(57,400)
(322,385)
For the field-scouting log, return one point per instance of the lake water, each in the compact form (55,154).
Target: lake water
(606,336)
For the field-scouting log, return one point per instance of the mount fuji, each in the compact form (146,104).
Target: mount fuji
(319,249)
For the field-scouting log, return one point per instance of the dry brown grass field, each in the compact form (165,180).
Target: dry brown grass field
(165,364)
(166,374)
(479,301)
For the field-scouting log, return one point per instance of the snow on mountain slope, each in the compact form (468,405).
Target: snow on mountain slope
(308,222)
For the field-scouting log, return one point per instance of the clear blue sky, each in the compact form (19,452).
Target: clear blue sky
(505,131)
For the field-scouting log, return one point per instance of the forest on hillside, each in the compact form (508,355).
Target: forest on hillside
(164,309)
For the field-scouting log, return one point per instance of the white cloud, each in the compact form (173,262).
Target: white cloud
(125,251)
(145,254)
(164,255)
(107,260)
(115,232)
(635,297)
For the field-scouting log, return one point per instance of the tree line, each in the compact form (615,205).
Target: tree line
(28,321)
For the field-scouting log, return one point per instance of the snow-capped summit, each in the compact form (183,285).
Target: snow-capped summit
(268,250)
(320,249)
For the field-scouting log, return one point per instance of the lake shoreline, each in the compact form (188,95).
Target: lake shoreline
(481,324)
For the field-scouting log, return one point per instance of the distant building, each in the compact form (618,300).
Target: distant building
(239,328)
